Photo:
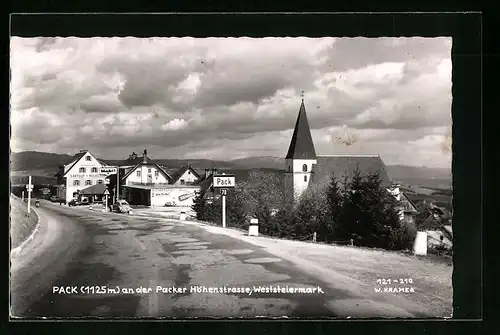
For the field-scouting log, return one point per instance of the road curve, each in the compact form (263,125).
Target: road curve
(197,273)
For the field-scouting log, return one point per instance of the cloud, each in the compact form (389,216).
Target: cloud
(228,97)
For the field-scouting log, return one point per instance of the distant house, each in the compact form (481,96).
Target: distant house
(146,182)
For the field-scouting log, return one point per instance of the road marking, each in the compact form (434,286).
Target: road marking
(153,299)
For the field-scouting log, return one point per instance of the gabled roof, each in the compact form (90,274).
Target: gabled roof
(131,170)
(301,146)
(206,184)
(77,157)
(346,165)
(94,189)
(180,172)
(408,200)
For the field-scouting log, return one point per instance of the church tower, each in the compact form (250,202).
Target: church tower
(300,158)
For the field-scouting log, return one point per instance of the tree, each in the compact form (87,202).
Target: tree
(200,206)
(352,208)
(328,223)
(235,207)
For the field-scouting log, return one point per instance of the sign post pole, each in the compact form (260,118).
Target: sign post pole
(106,194)
(223,182)
(223,193)
(117,184)
(22,196)
(29,194)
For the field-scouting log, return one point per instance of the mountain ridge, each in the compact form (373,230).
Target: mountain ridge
(44,161)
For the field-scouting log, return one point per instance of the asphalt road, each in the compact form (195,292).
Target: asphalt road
(93,254)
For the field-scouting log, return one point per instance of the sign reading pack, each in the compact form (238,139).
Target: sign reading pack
(224,181)
(108,170)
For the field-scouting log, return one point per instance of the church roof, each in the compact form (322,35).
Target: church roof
(301,146)
(346,165)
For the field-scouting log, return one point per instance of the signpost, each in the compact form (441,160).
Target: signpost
(22,196)
(223,182)
(110,170)
(29,187)
(106,194)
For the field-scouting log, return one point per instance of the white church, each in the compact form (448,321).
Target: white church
(303,167)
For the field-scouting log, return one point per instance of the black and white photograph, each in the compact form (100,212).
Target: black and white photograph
(238,177)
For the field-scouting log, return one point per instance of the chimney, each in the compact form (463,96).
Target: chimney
(145,156)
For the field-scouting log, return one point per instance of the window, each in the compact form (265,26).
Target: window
(289,168)
(183,182)
(99,181)
(94,170)
(189,172)
(304,167)
(305,178)
(76,183)
(138,173)
(149,170)
(157,173)
(87,158)
(88,182)
(82,170)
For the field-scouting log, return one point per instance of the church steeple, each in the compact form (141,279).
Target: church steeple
(301,146)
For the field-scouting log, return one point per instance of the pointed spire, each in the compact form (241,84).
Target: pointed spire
(301,146)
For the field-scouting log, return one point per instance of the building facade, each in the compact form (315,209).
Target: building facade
(303,167)
(82,172)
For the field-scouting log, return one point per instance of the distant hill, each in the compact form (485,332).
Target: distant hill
(45,165)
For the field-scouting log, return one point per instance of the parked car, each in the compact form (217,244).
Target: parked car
(54,198)
(74,202)
(122,206)
(77,202)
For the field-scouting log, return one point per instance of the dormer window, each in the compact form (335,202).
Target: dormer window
(304,168)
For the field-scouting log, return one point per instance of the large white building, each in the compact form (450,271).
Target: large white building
(82,172)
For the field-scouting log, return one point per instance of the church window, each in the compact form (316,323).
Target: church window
(304,167)
(305,178)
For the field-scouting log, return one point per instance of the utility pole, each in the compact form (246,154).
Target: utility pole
(30,188)
(117,183)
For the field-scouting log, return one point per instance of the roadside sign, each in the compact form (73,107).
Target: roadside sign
(29,187)
(108,170)
(106,181)
(223,191)
(224,181)
(106,192)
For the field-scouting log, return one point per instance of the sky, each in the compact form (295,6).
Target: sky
(229,98)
